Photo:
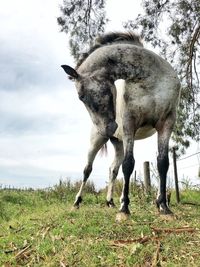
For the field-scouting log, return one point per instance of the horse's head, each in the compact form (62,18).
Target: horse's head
(98,98)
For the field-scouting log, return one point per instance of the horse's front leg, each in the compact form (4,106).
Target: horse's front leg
(114,168)
(96,143)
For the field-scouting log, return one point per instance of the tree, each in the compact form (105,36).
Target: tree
(83,20)
(172,26)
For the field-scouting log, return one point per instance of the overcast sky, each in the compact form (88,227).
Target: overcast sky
(44,128)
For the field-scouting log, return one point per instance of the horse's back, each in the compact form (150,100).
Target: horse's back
(150,89)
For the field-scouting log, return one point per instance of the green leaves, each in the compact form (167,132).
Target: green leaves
(174,27)
(82,21)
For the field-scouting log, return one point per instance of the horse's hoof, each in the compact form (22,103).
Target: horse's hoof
(164,211)
(110,204)
(167,215)
(74,208)
(122,217)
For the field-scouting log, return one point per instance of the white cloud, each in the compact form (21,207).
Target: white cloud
(40,114)
(121,11)
(44,128)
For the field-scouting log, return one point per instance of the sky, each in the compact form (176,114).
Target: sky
(44,128)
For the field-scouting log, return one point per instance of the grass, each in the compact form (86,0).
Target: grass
(38,228)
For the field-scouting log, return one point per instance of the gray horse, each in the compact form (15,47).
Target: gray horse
(145,102)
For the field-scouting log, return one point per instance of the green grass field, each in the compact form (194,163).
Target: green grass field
(38,228)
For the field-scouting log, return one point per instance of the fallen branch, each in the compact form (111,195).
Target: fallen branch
(140,240)
(190,203)
(156,259)
(45,232)
(22,252)
(13,249)
(174,230)
(10,251)
(62,264)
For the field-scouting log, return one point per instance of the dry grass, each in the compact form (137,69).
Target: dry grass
(38,228)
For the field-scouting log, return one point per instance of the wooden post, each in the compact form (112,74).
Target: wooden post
(147,181)
(176,176)
(135,176)
(133,183)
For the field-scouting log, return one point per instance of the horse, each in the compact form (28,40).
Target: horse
(145,103)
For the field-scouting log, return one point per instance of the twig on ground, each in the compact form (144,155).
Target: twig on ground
(156,258)
(174,230)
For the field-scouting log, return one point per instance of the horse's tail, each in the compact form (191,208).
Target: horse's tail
(104,150)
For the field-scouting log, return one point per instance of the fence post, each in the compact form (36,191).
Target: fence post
(147,181)
(176,176)
(135,177)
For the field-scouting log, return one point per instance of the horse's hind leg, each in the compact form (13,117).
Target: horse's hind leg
(127,164)
(164,132)
(96,142)
(114,168)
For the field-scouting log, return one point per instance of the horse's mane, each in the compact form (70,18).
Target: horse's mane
(109,38)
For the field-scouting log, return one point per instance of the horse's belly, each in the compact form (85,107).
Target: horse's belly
(142,133)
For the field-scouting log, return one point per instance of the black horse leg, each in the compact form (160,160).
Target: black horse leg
(128,162)
(164,133)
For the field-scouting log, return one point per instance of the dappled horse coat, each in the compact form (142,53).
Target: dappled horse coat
(145,103)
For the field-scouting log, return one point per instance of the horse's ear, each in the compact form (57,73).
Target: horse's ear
(70,71)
